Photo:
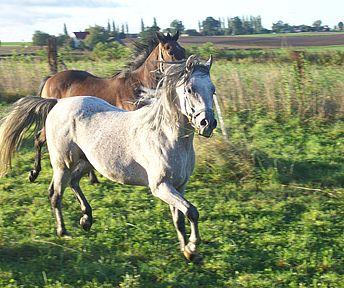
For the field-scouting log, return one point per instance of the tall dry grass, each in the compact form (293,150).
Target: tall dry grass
(281,88)
(20,76)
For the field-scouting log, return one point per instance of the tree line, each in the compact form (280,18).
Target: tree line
(208,27)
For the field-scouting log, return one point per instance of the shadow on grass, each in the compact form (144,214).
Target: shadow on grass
(320,173)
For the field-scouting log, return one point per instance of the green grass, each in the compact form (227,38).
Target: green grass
(271,203)
(281,227)
(323,48)
(19,43)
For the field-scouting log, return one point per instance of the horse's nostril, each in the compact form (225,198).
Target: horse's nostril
(204,122)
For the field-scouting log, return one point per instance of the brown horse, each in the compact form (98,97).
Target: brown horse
(121,90)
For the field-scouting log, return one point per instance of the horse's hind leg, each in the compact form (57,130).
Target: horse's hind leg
(86,219)
(56,189)
(93,177)
(39,142)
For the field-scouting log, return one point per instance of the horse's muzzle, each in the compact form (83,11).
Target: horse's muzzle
(207,125)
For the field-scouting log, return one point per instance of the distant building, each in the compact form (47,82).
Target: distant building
(79,37)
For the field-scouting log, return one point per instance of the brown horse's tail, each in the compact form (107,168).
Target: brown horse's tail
(28,111)
(41,85)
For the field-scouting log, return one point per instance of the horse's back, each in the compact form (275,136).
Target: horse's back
(67,83)
(85,105)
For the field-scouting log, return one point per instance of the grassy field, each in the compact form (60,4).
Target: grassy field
(16,43)
(270,201)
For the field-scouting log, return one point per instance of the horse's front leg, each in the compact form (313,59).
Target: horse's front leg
(171,196)
(179,223)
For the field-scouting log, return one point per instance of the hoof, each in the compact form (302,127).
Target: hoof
(86,222)
(63,234)
(191,255)
(33,174)
(94,182)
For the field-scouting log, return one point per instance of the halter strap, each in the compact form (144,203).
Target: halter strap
(161,60)
(192,116)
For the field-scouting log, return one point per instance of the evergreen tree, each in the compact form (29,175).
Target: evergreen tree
(177,25)
(65,32)
(155,25)
(113,26)
(142,26)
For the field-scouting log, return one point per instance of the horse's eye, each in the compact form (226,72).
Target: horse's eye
(189,90)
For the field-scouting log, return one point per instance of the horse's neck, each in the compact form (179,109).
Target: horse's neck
(182,131)
(146,73)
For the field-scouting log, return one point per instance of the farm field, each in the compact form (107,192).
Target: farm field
(277,41)
(270,201)
(263,41)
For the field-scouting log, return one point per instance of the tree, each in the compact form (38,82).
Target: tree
(247,26)
(340,26)
(281,27)
(65,32)
(155,24)
(126,28)
(114,30)
(317,24)
(40,38)
(97,34)
(211,26)
(177,25)
(236,26)
(257,24)
(108,26)
(142,26)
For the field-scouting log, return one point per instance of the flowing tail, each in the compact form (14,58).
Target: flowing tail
(28,111)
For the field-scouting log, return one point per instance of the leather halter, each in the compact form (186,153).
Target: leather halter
(194,114)
(161,60)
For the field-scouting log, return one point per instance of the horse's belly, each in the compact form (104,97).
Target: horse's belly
(121,171)
(127,176)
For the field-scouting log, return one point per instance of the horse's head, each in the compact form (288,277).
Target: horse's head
(169,48)
(195,95)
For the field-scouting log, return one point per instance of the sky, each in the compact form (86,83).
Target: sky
(20,18)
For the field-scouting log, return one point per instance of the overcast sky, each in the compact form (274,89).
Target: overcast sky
(20,18)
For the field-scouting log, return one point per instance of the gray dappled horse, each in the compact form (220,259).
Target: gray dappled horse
(152,146)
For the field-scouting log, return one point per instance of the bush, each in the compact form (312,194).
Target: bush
(40,38)
(109,51)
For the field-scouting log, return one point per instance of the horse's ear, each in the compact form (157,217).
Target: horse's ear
(209,62)
(161,37)
(175,36)
(168,36)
